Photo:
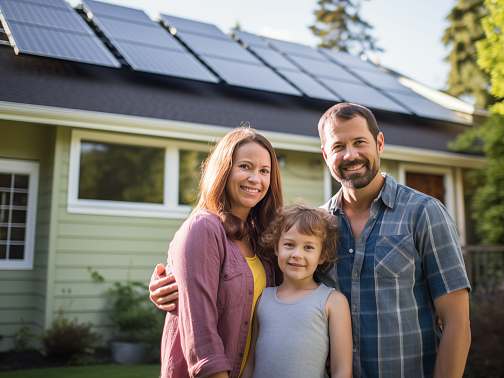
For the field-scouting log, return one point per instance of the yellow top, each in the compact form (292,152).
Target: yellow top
(259,274)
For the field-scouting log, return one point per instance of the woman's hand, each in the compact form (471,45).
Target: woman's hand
(163,290)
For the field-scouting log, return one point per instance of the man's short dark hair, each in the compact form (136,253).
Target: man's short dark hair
(346,111)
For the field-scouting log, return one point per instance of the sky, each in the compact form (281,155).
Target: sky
(409,31)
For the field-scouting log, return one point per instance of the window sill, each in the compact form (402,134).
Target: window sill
(126,209)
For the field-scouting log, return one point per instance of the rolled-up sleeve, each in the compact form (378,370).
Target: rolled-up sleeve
(439,244)
(196,254)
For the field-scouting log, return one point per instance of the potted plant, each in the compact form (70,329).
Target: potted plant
(135,319)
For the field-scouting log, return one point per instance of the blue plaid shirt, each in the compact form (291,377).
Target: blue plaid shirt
(407,256)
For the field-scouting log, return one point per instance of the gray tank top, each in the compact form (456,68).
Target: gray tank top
(293,340)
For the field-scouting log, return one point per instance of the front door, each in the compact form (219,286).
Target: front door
(427,183)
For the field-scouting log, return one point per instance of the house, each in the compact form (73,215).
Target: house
(105,116)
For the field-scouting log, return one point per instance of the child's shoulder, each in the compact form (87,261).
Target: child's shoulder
(336,299)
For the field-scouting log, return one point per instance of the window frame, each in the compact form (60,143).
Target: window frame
(30,168)
(170,208)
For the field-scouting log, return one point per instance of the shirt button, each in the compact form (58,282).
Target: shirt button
(251,292)
(355,276)
(246,322)
(350,250)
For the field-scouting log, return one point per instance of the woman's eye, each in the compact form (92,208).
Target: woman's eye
(265,171)
(243,166)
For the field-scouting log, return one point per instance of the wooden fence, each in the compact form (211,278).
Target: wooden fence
(485,267)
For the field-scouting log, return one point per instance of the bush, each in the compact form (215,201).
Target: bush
(135,318)
(68,340)
(23,339)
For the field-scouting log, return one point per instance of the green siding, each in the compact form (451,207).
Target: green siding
(22,292)
(119,248)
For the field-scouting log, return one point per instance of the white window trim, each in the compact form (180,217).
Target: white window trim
(168,209)
(32,170)
(448,178)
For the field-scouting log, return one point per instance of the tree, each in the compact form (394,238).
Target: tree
(491,51)
(488,200)
(340,27)
(464,30)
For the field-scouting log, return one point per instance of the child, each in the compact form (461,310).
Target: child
(299,323)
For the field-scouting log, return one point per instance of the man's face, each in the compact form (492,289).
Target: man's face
(351,153)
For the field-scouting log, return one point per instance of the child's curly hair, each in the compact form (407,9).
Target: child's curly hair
(308,221)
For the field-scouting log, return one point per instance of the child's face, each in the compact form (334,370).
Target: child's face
(298,254)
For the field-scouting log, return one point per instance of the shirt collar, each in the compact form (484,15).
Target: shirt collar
(387,195)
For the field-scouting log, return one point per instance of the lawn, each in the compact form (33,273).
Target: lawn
(109,371)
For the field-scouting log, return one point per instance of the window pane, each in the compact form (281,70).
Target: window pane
(4,233)
(5,180)
(18,216)
(3,251)
(118,172)
(4,215)
(16,252)
(17,234)
(20,199)
(21,181)
(4,198)
(189,175)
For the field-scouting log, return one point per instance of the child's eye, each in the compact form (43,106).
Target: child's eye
(309,247)
(288,245)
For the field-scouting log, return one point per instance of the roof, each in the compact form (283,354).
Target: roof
(225,99)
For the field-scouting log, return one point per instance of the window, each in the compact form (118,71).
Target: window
(124,175)
(18,203)
(189,175)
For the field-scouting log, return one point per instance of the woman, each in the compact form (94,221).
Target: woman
(219,266)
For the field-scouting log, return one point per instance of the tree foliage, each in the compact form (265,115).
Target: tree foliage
(339,26)
(466,78)
(489,197)
(491,50)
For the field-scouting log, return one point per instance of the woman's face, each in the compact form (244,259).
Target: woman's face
(249,179)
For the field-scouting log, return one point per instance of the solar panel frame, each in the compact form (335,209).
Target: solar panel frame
(192,26)
(308,85)
(219,48)
(250,76)
(47,3)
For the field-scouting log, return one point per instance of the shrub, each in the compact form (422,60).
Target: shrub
(68,340)
(135,318)
(23,339)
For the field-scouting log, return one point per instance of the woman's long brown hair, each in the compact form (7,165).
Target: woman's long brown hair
(212,187)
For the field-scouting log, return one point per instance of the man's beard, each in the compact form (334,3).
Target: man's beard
(357,180)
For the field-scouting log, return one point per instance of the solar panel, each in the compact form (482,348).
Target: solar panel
(221,48)
(382,80)
(250,39)
(191,26)
(295,49)
(144,44)
(325,69)
(364,95)
(273,58)
(308,85)
(52,29)
(426,108)
(250,76)
(115,11)
(348,60)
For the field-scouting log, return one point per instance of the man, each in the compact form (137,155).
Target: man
(400,263)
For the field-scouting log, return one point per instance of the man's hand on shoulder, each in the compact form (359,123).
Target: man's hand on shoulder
(163,290)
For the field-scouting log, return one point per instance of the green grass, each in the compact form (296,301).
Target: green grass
(96,371)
